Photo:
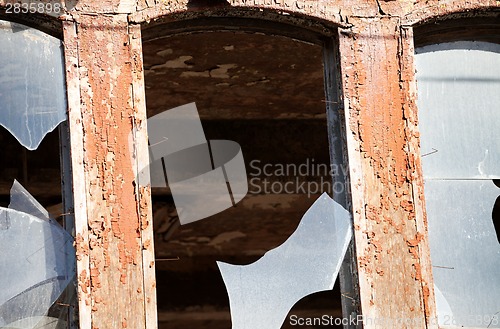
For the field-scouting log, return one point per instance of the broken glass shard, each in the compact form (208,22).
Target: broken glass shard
(198,171)
(445,313)
(37,261)
(22,200)
(262,293)
(32,85)
(38,322)
(465,251)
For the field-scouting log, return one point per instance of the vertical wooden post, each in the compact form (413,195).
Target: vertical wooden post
(68,212)
(338,157)
(78,173)
(143,187)
(114,241)
(390,236)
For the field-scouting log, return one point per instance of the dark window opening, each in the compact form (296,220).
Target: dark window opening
(267,94)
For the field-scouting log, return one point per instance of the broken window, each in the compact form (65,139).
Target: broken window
(38,259)
(459,111)
(267,94)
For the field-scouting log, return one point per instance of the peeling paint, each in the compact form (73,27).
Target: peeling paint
(375,81)
(114,226)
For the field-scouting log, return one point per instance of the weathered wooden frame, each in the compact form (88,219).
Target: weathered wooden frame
(372,52)
(136,299)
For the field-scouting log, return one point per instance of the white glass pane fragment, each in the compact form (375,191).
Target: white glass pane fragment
(465,251)
(38,322)
(262,293)
(205,177)
(22,200)
(32,85)
(459,111)
(37,262)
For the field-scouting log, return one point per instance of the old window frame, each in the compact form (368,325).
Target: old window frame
(327,38)
(350,44)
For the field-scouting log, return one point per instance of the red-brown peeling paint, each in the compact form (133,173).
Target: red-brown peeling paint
(83,281)
(81,247)
(115,247)
(378,121)
(107,142)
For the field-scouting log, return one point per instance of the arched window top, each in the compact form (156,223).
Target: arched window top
(287,26)
(484,27)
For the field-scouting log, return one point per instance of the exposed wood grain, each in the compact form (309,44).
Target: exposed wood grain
(409,87)
(390,245)
(143,188)
(78,170)
(115,280)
